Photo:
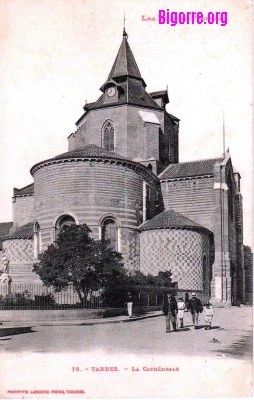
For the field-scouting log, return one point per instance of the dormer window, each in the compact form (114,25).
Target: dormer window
(111,90)
(108,136)
(111,93)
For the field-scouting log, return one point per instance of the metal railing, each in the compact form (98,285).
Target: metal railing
(40,297)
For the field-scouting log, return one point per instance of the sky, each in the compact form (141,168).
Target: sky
(55,55)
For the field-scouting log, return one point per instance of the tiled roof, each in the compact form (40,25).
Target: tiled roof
(126,76)
(24,232)
(125,64)
(87,152)
(190,169)
(170,219)
(4,230)
(132,93)
(27,190)
(160,93)
(95,153)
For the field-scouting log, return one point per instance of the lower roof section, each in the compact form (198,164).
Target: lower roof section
(170,219)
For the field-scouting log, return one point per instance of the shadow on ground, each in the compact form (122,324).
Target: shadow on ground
(185,329)
(205,326)
(242,348)
(15,331)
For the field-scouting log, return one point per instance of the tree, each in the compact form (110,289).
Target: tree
(78,259)
(162,279)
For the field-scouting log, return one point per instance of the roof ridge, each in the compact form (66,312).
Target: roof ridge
(200,160)
(127,44)
(25,187)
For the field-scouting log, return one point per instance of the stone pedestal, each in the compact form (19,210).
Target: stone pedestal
(221,285)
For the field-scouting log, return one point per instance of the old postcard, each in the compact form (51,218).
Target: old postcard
(126,199)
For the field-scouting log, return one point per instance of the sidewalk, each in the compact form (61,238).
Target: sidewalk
(107,320)
(79,322)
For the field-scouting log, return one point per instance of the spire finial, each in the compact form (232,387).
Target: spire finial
(124,31)
(223,133)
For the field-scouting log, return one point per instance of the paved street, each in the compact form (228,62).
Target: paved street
(131,359)
(230,336)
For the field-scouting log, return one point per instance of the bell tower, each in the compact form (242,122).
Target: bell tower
(143,130)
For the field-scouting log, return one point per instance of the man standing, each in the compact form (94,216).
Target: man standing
(196,307)
(170,311)
(129,305)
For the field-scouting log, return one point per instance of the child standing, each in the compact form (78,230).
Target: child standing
(208,312)
(181,308)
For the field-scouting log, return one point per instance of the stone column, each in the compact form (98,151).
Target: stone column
(221,281)
(239,248)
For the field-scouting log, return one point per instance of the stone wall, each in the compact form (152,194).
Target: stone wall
(193,198)
(180,250)
(171,132)
(90,191)
(23,210)
(239,247)
(20,254)
(132,135)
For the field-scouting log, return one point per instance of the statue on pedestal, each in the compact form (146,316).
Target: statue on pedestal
(5,276)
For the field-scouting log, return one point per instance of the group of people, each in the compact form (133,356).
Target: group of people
(174,310)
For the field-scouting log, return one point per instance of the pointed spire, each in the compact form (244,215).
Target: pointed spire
(125,64)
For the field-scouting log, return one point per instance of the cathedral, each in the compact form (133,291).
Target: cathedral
(122,177)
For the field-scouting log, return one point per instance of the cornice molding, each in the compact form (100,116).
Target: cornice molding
(128,164)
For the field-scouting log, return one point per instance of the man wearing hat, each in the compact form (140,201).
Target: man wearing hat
(170,311)
(196,307)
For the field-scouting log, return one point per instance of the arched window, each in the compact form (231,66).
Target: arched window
(109,232)
(37,240)
(108,136)
(64,220)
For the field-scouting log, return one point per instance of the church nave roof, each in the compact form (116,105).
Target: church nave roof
(190,169)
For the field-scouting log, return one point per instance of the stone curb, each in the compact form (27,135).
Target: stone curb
(88,322)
